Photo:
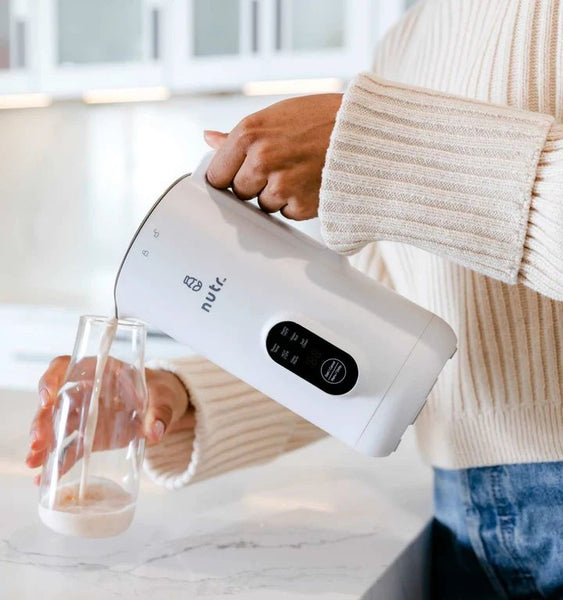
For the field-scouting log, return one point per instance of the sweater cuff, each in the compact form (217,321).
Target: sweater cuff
(236,426)
(542,264)
(450,175)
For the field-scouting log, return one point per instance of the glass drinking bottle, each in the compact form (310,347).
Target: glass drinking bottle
(90,480)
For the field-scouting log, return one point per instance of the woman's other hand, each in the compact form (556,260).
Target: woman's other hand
(168,406)
(277,155)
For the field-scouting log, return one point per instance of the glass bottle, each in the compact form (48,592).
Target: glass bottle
(90,480)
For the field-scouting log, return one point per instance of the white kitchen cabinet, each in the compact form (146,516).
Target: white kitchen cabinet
(267,39)
(310,25)
(17,71)
(5,35)
(104,44)
(71,46)
(215,27)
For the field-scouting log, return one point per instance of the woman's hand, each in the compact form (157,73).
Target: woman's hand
(168,406)
(277,155)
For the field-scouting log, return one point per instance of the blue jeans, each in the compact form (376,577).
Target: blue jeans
(498,533)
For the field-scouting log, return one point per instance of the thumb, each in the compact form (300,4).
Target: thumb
(157,419)
(168,401)
(215,139)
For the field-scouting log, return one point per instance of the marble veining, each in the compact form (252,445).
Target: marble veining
(322,522)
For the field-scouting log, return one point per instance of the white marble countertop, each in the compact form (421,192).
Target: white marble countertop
(322,522)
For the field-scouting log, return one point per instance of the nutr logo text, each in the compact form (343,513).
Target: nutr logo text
(212,292)
(194,284)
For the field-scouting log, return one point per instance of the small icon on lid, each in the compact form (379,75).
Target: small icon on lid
(155,233)
(145,252)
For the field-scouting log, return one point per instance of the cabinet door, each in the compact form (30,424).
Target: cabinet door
(220,45)
(186,45)
(320,38)
(105,31)
(214,45)
(16,72)
(5,35)
(216,27)
(311,25)
(101,44)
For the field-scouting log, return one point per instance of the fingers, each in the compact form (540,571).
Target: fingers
(186,422)
(249,181)
(40,433)
(168,402)
(51,380)
(298,212)
(274,196)
(215,139)
(225,164)
(157,421)
(41,428)
(36,459)
(280,194)
(40,437)
(231,152)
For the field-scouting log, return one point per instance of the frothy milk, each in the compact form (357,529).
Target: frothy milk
(105,510)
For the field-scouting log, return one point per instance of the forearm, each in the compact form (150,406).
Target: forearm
(453,176)
(235,426)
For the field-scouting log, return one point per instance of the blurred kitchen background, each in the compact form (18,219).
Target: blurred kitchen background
(104,106)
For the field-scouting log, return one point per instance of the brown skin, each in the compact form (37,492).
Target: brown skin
(277,155)
(168,406)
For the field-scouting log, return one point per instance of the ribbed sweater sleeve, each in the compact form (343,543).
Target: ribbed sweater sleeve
(236,426)
(477,183)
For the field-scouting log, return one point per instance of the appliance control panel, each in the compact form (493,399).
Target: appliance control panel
(312,358)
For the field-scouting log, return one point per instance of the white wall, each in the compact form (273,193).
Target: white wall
(77,180)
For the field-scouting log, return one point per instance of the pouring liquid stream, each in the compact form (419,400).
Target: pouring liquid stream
(92,505)
(93,408)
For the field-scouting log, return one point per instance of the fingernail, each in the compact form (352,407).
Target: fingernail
(158,429)
(45,397)
(211,132)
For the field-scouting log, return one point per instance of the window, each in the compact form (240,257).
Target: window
(4,34)
(104,31)
(316,24)
(216,27)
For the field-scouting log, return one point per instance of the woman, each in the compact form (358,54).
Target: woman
(442,169)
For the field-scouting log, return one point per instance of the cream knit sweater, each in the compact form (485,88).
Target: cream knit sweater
(449,155)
